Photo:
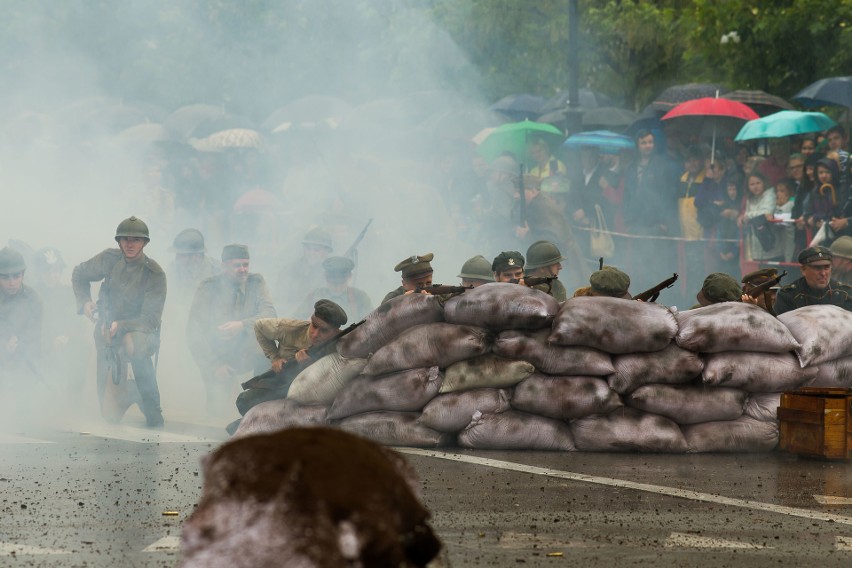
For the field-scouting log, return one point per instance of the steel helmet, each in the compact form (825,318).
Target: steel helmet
(132,227)
(188,241)
(11,261)
(477,268)
(542,253)
(318,236)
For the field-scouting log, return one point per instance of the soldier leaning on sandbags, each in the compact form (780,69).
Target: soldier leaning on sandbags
(476,271)
(608,281)
(20,320)
(752,280)
(718,287)
(416,273)
(508,266)
(545,260)
(816,285)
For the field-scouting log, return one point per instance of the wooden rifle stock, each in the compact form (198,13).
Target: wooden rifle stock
(651,294)
(763,287)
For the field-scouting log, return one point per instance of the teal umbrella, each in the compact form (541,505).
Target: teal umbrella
(606,141)
(784,123)
(515,137)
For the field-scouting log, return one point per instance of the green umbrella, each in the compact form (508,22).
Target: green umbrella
(784,123)
(515,137)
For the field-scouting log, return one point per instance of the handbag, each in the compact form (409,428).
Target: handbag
(764,231)
(600,239)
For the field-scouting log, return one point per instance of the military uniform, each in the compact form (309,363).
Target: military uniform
(132,295)
(185,277)
(298,278)
(718,287)
(21,319)
(476,271)
(800,293)
(353,300)
(540,256)
(609,281)
(842,249)
(413,267)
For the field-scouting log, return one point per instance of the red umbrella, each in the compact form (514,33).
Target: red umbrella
(723,114)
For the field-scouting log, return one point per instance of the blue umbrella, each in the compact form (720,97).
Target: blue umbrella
(784,123)
(606,141)
(830,91)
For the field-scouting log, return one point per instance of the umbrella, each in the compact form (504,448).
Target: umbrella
(673,96)
(722,114)
(761,102)
(606,141)
(614,117)
(183,121)
(519,107)
(232,138)
(143,134)
(588,99)
(784,123)
(513,137)
(835,91)
(308,109)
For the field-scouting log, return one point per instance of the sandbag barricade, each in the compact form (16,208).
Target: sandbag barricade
(504,368)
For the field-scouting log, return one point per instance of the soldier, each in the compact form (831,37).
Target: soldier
(191,264)
(127,315)
(299,278)
(841,264)
(20,320)
(416,273)
(718,287)
(608,281)
(220,331)
(815,286)
(508,266)
(338,275)
(545,260)
(754,279)
(283,339)
(476,271)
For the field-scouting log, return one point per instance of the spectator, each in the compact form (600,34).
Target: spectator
(823,198)
(758,234)
(775,166)
(785,229)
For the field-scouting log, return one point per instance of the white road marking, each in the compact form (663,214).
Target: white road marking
(658,489)
(12,549)
(140,435)
(695,541)
(843,543)
(18,439)
(166,543)
(832,500)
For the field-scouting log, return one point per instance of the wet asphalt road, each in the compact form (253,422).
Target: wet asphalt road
(85,494)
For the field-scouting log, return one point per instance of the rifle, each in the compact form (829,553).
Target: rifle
(651,294)
(352,252)
(270,379)
(756,291)
(439,289)
(530,281)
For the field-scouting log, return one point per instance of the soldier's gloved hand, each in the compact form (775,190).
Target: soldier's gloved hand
(90,310)
(12,344)
(302,356)
(278,364)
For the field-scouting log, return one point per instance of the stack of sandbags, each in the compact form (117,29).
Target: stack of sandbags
(825,335)
(506,367)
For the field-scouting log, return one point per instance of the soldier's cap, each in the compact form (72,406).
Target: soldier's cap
(188,241)
(477,268)
(758,277)
(507,260)
(329,312)
(337,268)
(415,266)
(47,258)
(232,252)
(719,287)
(11,261)
(610,281)
(813,255)
(842,247)
(319,237)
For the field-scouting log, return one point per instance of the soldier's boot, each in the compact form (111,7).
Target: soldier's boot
(146,382)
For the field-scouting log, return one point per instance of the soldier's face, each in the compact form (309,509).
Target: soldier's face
(515,275)
(11,284)
(420,282)
(817,275)
(320,330)
(236,269)
(131,246)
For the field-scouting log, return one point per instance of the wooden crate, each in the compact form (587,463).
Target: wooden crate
(817,422)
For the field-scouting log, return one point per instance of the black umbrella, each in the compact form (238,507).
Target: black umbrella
(673,96)
(761,102)
(519,107)
(588,100)
(835,91)
(612,117)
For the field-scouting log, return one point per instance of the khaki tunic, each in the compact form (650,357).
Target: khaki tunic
(393,294)
(354,301)
(218,301)
(21,317)
(282,338)
(557,290)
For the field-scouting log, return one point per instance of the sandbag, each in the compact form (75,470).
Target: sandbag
(733,326)
(756,372)
(502,305)
(613,325)
(745,434)
(671,365)
(763,406)
(320,382)
(836,373)
(274,415)
(429,345)
(389,320)
(514,430)
(394,429)
(688,404)
(627,430)
(453,411)
(486,371)
(824,331)
(532,346)
(403,391)
(564,397)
